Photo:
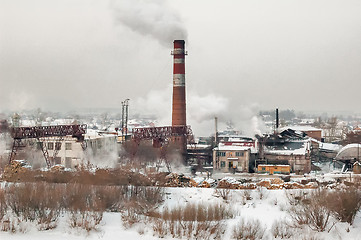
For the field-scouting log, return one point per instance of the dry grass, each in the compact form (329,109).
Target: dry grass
(281,229)
(41,203)
(88,220)
(120,176)
(192,221)
(197,212)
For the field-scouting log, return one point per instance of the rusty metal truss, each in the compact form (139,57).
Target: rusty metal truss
(76,131)
(162,134)
(41,133)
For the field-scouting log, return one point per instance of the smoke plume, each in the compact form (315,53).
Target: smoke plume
(201,110)
(152,18)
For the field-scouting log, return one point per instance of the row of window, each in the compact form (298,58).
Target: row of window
(230,164)
(56,146)
(223,154)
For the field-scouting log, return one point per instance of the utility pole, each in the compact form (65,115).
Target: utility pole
(125,107)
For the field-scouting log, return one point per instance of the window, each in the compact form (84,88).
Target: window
(223,164)
(57,145)
(68,162)
(67,146)
(50,146)
(39,145)
(221,154)
(263,169)
(57,160)
(239,154)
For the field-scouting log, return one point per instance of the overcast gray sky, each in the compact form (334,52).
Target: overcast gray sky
(66,54)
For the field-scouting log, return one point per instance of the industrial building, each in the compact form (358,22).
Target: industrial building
(235,155)
(288,147)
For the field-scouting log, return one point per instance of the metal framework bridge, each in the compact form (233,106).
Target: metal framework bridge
(162,135)
(41,133)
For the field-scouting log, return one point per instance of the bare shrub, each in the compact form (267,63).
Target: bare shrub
(85,220)
(224,193)
(34,201)
(294,198)
(247,195)
(281,229)
(251,230)
(159,228)
(313,211)
(310,237)
(262,193)
(345,204)
(131,213)
(47,220)
(3,205)
(8,225)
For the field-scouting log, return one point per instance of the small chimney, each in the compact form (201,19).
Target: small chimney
(277,119)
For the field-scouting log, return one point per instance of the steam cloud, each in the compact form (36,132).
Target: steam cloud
(152,18)
(201,111)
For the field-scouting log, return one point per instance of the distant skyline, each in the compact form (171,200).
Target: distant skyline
(243,56)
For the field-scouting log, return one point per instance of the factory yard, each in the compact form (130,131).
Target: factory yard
(123,203)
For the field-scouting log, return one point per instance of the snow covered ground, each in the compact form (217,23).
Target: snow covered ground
(265,205)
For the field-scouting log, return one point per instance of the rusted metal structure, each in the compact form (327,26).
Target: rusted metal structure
(42,132)
(161,136)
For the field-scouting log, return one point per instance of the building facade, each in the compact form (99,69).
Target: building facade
(231,158)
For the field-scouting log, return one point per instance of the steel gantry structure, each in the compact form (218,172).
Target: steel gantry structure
(161,136)
(42,132)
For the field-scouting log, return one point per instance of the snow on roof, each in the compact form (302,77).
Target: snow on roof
(330,146)
(301,128)
(27,123)
(94,134)
(273,165)
(327,146)
(238,136)
(292,148)
(198,146)
(223,147)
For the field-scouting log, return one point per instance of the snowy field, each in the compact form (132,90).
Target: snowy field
(268,206)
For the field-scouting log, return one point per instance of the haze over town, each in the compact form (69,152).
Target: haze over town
(180,119)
